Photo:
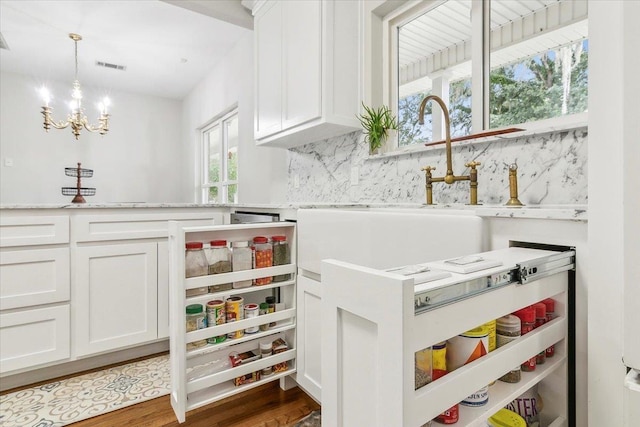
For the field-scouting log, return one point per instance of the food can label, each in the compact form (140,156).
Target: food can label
(479,398)
(463,349)
(235,311)
(450,416)
(250,311)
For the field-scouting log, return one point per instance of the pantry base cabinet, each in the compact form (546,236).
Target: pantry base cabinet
(369,344)
(309,372)
(201,373)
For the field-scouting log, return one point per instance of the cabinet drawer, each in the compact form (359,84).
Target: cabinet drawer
(33,230)
(93,228)
(34,277)
(33,337)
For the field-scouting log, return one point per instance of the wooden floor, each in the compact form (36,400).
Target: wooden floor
(264,406)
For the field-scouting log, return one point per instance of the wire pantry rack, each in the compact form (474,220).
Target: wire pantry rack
(78,191)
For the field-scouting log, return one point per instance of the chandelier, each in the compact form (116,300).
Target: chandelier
(76,118)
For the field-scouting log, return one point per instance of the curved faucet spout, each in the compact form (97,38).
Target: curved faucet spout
(449,177)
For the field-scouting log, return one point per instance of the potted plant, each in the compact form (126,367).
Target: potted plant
(377,122)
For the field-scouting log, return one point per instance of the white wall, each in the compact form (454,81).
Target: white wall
(614,222)
(136,161)
(262,172)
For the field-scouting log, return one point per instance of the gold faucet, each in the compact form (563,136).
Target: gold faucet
(449,177)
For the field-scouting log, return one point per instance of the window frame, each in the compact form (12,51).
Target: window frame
(221,121)
(384,23)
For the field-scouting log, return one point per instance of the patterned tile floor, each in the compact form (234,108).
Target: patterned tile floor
(314,419)
(64,402)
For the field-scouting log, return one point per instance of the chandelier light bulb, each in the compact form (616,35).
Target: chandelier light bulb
(46,96)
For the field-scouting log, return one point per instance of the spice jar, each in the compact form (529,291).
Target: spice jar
(241,259)
(250,311)
(219,260)
(507,330)
(195,262)
(266,351)
(195,320)
(541,319)
(264,309)
(281,256)
(527,318)
(439,369)
(263,257)
(550,304)
(271,301)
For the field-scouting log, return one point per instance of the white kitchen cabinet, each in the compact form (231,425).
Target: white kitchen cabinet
(309,358)
(307,71)
(34,337)
(194,381)
(369,343)
(34,290)
(115,296)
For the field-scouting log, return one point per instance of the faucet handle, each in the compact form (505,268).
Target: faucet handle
(472,164)
(428,169)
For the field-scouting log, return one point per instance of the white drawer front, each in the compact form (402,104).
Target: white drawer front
(33,337)
(34,277)
(92,228)
(33,230)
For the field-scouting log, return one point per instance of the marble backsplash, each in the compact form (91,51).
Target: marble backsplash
(552,170)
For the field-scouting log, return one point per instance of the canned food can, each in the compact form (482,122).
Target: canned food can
(235,311)
(216,315)
(466,348)
(250,311)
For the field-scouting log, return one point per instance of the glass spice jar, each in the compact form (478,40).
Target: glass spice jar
(281,256)
(241,259)
(527,318)
(219,260)
(541,319)
(263,257)
(196,319)
(195,262)
(264,309)
(507,330)
(550,304)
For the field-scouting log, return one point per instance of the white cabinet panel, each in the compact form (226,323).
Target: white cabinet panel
(309,321)
(302,31)
(33,277)
(268,56)
(33,337)
(33,230)
(163,290)
(115,296)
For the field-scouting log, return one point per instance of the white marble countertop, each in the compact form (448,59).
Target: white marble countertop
(563,212)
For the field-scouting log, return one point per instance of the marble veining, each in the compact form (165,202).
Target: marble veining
(552,170)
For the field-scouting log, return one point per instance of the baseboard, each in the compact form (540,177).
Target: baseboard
(64,369)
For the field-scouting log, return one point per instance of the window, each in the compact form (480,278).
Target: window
(532,66)
(220,160)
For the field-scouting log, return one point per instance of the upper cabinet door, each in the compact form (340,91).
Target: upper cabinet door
(301,62)
(268,70)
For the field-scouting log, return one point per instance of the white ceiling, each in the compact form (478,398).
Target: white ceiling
(166,49)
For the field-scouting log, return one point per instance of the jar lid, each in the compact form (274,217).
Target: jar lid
(215,303)
(550,303)
(264,306)
(508,321)
(526,315)
(218,243)
(266,345)
(480,331)
(194,309)
(439,346)
(506,418)
(260,239)
(193,245)
(279,238)
(251,306)
(240,244)
(270,300)
(541,310)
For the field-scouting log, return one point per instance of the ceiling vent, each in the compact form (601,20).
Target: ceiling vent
(112,66)
(3,43)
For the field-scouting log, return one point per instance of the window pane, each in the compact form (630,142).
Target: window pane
(215,148)
(542,76)
(434,57)
(213,195)
(232,193)
(232,149)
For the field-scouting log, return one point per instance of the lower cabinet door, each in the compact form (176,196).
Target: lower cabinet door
(115,296)
(33,337)
(309,329)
